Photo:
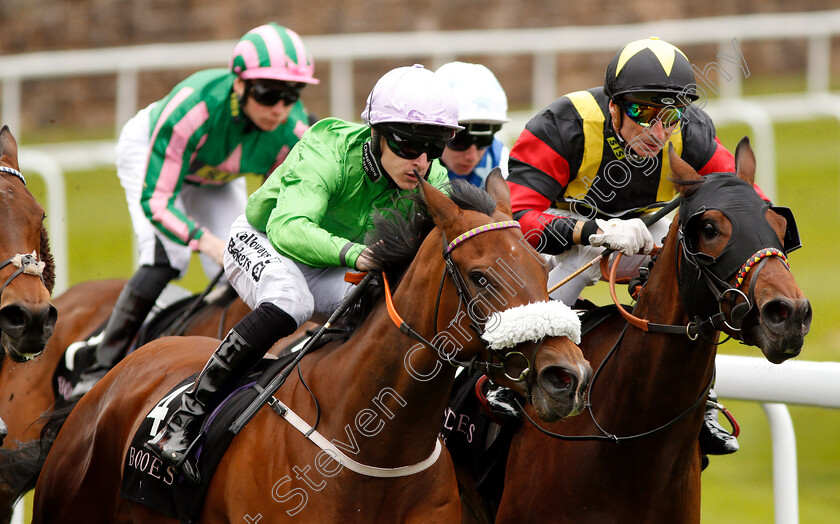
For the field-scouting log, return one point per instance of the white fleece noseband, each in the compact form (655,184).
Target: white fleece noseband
(531,322)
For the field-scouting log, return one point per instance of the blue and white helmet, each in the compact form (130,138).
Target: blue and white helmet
(480,97)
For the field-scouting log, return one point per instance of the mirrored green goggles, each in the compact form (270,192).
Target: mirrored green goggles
(647,115)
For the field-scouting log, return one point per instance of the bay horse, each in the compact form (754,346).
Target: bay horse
(384,389)
(27,272)
(27,391)
(634,457)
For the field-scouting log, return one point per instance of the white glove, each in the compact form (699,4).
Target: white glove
(627,236)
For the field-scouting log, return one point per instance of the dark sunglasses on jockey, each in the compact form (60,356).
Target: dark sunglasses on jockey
(647,115)
(409,141)
(480,135)
(269,93)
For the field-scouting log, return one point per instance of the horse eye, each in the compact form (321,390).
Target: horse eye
(479,279)
(708,230)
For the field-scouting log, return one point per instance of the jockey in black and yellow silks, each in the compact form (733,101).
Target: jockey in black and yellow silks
(588,165)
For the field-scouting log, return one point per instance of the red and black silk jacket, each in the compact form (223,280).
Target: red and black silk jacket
(570,157)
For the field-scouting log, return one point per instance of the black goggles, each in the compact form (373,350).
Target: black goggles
(480,135)
(411,147)
(268,94)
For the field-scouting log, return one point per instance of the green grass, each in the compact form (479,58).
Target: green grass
(736,488)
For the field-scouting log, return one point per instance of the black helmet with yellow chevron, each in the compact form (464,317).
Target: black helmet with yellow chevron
(651,70)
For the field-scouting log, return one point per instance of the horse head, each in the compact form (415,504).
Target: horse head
(734,268)
(27,318)
(498,289)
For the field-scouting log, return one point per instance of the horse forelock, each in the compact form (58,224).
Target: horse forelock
(47,258)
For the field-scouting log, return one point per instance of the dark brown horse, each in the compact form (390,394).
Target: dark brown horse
(636,459)
(382,393)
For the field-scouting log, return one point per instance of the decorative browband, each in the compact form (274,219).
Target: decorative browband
(480,229)
(12,171)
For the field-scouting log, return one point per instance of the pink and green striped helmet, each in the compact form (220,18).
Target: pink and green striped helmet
(272,52)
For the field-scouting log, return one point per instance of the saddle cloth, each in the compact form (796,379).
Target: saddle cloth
(147,481)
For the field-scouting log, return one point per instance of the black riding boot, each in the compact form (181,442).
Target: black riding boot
(234,357)
(714,439)
(134,303)
(172,443)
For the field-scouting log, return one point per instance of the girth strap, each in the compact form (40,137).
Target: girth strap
(357,467)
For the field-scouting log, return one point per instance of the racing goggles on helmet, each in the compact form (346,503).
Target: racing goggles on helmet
(647,115)
(409,141)
(269,93)
(480,135)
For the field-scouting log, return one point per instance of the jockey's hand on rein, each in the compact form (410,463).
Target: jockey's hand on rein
(627,236)
(365,261)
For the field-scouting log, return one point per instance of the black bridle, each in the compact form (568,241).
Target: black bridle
(694,267)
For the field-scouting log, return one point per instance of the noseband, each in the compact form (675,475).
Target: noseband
(493,342)
(720,288)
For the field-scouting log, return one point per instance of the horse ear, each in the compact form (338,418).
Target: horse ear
(683,175)
(8,147)
(745,161)
(496,185)
(442,209)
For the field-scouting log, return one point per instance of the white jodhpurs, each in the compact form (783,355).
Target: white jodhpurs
(260,274)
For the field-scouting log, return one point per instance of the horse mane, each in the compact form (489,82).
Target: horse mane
(49,262)
(395,240)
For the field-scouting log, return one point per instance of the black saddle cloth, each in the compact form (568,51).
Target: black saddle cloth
(147,481)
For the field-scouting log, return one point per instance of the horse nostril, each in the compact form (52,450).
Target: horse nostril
(557,378)
(47,318)
(17,321)
(13,320)
(804,308)
(776,312)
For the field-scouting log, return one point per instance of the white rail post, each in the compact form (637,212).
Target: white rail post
(785,487)
(11,104)
(341,89)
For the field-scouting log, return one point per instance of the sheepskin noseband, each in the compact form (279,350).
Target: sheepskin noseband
(531,322)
